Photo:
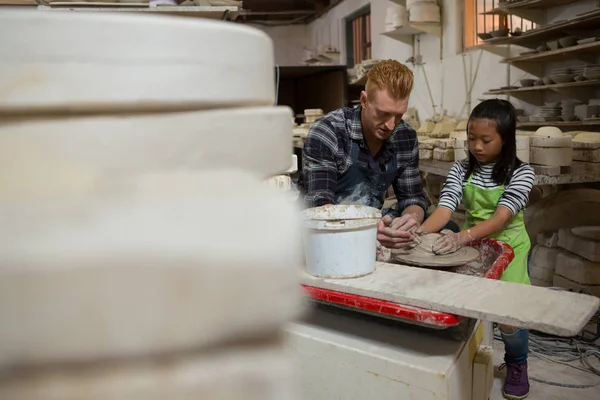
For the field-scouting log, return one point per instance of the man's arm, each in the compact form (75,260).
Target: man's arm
(409,190)
(319,165)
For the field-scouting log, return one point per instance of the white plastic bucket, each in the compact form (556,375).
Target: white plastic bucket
(340,241)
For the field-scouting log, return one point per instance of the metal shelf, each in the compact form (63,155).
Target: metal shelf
(559,124)
(514,8)
(558,54)
(545,87)
(406,33)
(585,21)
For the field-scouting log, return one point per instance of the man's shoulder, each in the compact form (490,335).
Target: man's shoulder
(338,118)
(333,124)
(405,135)
(405,130)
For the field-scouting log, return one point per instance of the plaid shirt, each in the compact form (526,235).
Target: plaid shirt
(327,156)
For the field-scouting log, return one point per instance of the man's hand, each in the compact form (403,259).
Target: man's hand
(449,242)
(406,223)
(389,234)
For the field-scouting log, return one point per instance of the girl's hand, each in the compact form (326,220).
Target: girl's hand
(450,242)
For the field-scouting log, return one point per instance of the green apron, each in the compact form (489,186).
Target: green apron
(480,205)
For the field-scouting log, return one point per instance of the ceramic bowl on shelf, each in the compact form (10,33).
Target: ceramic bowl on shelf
(543,47)
(568,41)
(564,78)
(527,82)
(499,33)
(553,45)
(547,80)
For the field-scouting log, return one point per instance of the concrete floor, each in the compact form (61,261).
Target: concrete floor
(542,369)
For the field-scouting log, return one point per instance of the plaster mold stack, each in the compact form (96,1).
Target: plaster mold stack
(426,146)
(550,149)
(424,131)
(129,268)
(543,259)
(459,140)
(578,267)
(586,150)
(411,117)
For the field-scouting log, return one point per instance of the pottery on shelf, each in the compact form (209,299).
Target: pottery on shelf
(499,32)
(527,82)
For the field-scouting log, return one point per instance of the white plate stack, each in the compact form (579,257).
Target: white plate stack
(592,72)
(396,16)
(143,256)
(548,112)
(424,11)
(568,110)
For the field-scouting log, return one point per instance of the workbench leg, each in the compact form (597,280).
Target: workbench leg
(488,333)
(483,373)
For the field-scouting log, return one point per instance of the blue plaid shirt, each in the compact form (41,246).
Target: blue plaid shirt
(327,156)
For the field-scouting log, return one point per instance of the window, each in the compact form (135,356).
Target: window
(358,37)
(480,18)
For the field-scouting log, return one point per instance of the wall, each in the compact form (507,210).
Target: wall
(444,61)
(289,42)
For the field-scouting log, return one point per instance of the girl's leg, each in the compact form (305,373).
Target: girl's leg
(516,346)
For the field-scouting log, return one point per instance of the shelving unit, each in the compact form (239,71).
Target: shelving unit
(330,58)
(405,34)
(585,21)
(566,53)
(534,63)
(415,28)
(561,124)
(531,10)
(558,87)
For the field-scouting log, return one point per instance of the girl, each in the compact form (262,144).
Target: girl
(494,186)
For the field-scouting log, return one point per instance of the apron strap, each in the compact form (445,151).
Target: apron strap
(354,149)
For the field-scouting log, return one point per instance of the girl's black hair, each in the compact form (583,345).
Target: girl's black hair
(504,116)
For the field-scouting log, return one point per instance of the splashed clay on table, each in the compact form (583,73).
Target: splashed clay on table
(422,254)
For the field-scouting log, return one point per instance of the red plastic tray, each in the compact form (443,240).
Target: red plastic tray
(495,256)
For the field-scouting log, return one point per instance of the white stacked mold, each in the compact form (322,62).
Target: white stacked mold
(142,256)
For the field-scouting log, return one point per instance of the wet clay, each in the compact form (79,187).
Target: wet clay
(422,254)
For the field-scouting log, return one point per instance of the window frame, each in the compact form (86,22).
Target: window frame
(471,27)
(364,14)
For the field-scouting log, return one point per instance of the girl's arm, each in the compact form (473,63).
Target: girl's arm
(453,241)
(496,223)
(450,197)
(513,200)
(437,220)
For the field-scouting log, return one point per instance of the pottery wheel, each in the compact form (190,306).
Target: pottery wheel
(587,232)
(423,256)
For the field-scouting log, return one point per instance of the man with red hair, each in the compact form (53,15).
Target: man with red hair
(353,155)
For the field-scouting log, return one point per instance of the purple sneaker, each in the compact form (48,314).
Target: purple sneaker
(516,385)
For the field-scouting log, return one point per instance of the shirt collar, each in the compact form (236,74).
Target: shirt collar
(355,130)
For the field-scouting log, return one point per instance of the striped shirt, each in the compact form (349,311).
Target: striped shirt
(327,155)
(515,196)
